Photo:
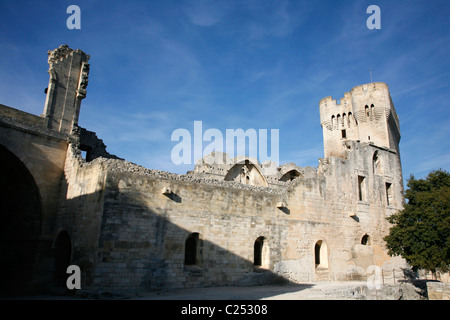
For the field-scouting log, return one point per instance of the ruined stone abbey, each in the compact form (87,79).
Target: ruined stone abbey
(233,222)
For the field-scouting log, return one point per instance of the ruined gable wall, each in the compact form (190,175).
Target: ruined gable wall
(81,209)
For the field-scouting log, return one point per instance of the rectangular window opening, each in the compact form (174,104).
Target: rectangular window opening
(388,193)
(344,134)
(361,188)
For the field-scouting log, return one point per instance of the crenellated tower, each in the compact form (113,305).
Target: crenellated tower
(365,114)
(69,71)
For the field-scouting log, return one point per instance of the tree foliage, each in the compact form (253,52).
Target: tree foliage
(421,231)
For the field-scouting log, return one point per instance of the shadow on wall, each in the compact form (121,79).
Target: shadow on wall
(119,243)
(138,249)
(20,224)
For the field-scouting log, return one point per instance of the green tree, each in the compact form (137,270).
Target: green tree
(421,231)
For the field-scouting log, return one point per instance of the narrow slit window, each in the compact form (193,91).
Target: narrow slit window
(388,193)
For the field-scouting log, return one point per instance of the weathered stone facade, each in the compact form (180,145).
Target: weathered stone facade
(238,222)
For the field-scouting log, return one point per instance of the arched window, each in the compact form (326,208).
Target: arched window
(349,119)
(333,122)
(367,110)
(365,240)
(321,254)
(344,119)
(258,252)
(338,121)
(190,249)
(376,163)
(20,223)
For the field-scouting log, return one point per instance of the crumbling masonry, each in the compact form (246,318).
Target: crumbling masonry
(132,229)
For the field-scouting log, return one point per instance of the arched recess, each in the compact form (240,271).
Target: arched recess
(191,249)
(63,256)
(261,252)
(365,240)
(290,175)
(321,255)
(246,173)
(349,119)
(377,165)
(20,224)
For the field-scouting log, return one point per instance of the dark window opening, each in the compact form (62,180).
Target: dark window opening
(257,251)
(317,253)
(190,255)
(365,240)
(86,152)
(388,193)
(344,134)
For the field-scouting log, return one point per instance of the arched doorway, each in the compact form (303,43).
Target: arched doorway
(261,253)
(63,254)
(190,249)
(258,251)
(321,255)
(20,224)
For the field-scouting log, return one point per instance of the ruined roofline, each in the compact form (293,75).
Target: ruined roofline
(28,122)
(63,52)
(123,166)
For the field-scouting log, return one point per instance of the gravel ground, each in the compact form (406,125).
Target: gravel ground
(307,291)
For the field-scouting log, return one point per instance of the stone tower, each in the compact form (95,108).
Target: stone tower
(365,114)
(69,71)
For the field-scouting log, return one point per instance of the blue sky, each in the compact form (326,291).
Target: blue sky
(160,65)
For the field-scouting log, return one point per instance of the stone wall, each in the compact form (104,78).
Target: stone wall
(130,224)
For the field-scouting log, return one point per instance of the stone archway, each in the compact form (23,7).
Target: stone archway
(321,255)
(246,173)
(20,224)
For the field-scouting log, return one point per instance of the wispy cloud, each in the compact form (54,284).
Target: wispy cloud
(206,13)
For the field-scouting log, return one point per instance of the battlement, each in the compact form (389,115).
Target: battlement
(365,113)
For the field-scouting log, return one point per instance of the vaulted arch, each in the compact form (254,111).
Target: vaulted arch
(20,223)
(246,173)
(290,175)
